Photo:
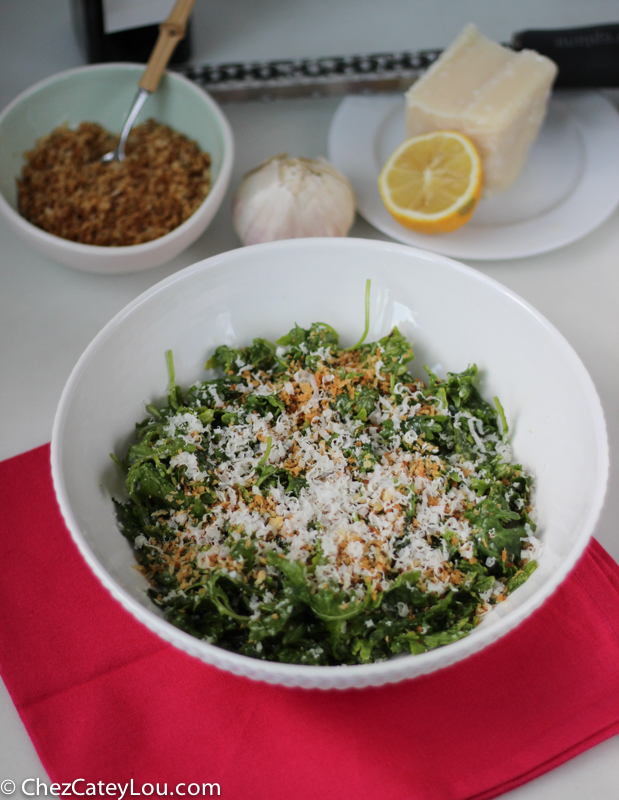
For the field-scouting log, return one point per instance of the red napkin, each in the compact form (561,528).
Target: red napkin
(106,700)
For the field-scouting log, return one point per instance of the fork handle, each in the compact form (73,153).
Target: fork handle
(170,33)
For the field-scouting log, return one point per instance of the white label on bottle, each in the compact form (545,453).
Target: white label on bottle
(120,15)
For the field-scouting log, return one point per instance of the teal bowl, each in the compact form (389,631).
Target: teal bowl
(103,93)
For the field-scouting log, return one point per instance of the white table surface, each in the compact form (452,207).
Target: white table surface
(49,313)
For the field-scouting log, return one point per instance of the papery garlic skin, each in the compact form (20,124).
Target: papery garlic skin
(290,198)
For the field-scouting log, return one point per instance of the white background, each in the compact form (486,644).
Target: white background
(118,15)
(49,313)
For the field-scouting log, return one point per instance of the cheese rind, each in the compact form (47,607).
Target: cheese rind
(495,96)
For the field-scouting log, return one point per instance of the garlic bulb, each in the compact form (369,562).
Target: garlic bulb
(287,198)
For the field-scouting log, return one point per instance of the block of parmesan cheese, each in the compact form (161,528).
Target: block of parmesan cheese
(495,96)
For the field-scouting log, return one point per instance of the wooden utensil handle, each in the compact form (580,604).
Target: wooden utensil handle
(170,33)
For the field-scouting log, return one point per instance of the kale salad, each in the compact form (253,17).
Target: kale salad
(317,505)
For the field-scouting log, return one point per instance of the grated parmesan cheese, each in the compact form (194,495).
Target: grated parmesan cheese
(334,467)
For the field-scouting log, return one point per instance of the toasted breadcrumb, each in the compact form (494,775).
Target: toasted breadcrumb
(66,189)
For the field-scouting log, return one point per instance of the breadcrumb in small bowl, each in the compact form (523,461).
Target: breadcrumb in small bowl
(112,218)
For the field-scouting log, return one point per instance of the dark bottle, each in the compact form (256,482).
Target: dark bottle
(99,43)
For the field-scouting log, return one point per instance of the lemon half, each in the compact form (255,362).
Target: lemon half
(432,183)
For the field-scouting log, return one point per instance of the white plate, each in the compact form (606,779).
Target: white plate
(569,186)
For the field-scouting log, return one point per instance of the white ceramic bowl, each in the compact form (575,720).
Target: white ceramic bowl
(103,93)
(452,314)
